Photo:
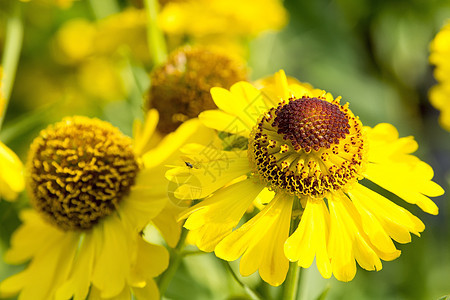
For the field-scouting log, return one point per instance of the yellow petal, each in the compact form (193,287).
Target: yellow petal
(222,121)
(260,241)
(12,285)
(142,136)
(255,104)
(236,102)
(212,209)
(141,206)
(48,269)
(208,236)
(348,240)
(11,174)
(113,259)
(151,260)
(167,223)
(80,280)
(281,83)
(150,291)
(406,181)
(310,238)
(31,236)
(208,220)
(167,151)
(205,177)
(395,220)
(95,294)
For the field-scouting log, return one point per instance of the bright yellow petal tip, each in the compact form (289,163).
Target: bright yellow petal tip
(12,180)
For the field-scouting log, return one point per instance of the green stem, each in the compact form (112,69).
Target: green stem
(11,54)
(292,282)
(252,294)
(155,37)
(175,260)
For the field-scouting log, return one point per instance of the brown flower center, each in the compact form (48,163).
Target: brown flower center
(79,170)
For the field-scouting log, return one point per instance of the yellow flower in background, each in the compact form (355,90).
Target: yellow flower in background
(303,155)
(440,93)
(11,174)
(94,191)
(180,87)
(74,41)
(100,78)
(79,39)
(96,53)
(11,168)
(228,24)
(199,18)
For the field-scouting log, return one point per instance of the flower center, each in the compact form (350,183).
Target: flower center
(79,170)
(311,123)
(308,147)
(181,87)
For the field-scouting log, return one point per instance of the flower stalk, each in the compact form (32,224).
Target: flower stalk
(292,282)
(176,257)
(11,54)
(155,37)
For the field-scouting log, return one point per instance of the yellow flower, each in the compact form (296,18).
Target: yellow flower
(94,191)
(301,154)
(100,78)
(440,93)
(199,18)
(78,39)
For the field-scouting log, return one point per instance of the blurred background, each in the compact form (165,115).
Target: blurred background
(91,58)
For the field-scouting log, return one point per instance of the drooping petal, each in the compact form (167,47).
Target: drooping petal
(32,236)
(395,221)
(143,135)
(141,206)
(260,242)
(151,261)
(393,167)
(310,238)
(113,257)
(79,282)
(50,267)
(408,181)
(347,241)
(150,291)
(167,223)
(214,218)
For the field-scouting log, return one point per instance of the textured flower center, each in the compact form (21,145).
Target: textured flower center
(181,87)
(308,147)
(79,170)
(311,123)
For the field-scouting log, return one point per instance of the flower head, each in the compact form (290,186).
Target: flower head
(304,161)
(440,93)
(180,87)
(225,17)
(94,191)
